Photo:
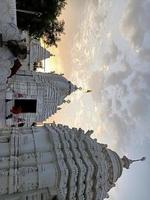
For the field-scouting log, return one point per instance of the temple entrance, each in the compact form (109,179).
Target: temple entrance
(26,105)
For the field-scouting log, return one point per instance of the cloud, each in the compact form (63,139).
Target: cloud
(135,24)
(109,52)
(138,174)
(140,107)
(120,91)
(72,16)
(111,56)
(145,54)
(118,77)
(96,83)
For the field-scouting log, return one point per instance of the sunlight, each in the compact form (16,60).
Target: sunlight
(53,63)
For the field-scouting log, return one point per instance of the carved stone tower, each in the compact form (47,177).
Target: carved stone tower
(34,96)
(55,162)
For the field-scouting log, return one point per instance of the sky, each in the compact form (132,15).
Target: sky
(106,48)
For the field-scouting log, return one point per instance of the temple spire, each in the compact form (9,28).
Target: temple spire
(127,162)
(67,101)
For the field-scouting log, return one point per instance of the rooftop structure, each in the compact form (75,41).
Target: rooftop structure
(36,53)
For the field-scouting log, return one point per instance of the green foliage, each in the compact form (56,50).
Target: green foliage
(45,20)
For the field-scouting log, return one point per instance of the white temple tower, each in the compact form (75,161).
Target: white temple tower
(36,53)
(34,96)
(56,162)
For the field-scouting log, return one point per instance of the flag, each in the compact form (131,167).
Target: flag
(88,91)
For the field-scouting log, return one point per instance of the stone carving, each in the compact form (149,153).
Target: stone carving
(67,162)
(46,92)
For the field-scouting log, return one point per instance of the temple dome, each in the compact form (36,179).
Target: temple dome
(117,165)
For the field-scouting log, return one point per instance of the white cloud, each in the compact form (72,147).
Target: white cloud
(111,56)
(135,24)
(115,35)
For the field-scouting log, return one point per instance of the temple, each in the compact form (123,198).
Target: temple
(56,162)
(36,54)
(49,162)
(34,96)
(27,97)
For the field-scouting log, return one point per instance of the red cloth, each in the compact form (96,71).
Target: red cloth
(16,110)
(15,68)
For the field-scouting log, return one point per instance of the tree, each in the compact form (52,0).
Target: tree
(53,32)
(43,19)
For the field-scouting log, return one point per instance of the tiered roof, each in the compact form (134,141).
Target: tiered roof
(55,161)
(49,91)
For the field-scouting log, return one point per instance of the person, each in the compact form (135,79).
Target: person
(16,109)
(34,124)
(21,124)
(7,100)
(9,116)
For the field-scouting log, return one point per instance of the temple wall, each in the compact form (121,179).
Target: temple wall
(27,161)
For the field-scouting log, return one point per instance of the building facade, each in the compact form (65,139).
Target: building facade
(56,162)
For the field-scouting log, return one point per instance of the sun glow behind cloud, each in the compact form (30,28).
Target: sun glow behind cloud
(54,62)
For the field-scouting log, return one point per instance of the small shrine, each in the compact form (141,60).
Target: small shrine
(34,96)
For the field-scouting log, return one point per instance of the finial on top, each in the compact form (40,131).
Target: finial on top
(79,88)
(67,101)
(143,158)
(88,91)
(52,54)
(127,162)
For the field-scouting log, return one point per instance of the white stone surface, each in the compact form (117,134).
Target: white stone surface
(8,11)
(56,159)
(49,90)
(37,53)
(9,30)
(2,108)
